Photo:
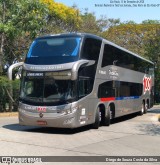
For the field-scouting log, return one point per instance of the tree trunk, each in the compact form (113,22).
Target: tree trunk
(10,98)
(1,53)
(2,37)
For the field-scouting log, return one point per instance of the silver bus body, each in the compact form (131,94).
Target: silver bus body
(103,90)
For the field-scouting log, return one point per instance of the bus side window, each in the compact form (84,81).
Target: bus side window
(108,56)
(106,89)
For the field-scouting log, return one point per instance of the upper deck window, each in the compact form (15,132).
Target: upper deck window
(53,50)
(115,56)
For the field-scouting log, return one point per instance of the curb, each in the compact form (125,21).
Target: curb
(156,119)
(8,114)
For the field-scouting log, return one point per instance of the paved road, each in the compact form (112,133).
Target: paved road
(128,136)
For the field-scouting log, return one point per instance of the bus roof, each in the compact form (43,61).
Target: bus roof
(71,35)
(95,37)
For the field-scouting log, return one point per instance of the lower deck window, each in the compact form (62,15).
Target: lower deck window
(119,89)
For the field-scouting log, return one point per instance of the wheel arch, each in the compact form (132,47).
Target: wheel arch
(104,108)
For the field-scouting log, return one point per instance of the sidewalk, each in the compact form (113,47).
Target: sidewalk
(8,114)
(156,111)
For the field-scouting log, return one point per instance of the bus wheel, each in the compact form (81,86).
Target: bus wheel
(107,117)
(146,108)
(142,109)
(97,119)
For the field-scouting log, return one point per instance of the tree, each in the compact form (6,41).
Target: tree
(18,18)
(151,21)
(90,24)
(152,51)
(61,18)
(131,36)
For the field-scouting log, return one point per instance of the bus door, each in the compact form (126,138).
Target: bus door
(84,88)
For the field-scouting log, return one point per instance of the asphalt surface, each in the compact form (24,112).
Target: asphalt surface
(131,135)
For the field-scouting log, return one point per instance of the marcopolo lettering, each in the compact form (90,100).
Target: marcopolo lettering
(46,67)
(113,73)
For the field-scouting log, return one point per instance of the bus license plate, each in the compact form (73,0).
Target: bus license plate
(41,122)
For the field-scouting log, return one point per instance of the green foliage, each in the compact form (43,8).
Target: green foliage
(61,18)
(21,16)
(5,85)
(90,24)
(152,51)
(22,21)
(131,36)
(151,21)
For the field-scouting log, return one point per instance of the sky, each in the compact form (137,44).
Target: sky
(125,10)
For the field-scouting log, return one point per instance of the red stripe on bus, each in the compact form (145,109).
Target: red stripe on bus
(108,99)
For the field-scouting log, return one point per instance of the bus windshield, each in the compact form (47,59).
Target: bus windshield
(47,88)
(44,51)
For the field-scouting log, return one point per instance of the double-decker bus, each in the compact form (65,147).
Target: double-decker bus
(76,79)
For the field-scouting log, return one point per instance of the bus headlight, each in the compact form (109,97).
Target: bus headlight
(21,110)
(74,109)
(69,111)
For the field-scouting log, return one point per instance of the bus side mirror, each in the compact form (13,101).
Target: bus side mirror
(76,67)
(10,69)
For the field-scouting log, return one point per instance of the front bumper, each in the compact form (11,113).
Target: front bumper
(66,121)
(59,116)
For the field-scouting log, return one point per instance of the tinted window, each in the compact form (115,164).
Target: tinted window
(54,50)
(118,57)
(106,89)
(47,88)
(91,49)
(119,89)
(129,89)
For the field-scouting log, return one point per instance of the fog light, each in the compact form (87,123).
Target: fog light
(69,121)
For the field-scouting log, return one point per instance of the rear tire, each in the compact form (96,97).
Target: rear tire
(142,110)
(146,108)
(107,117)
(97,119)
